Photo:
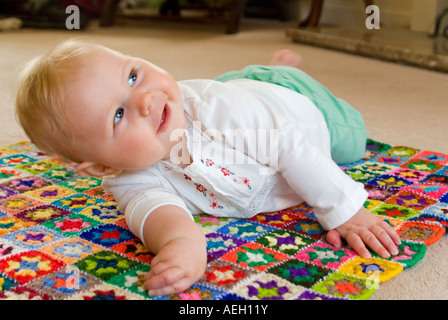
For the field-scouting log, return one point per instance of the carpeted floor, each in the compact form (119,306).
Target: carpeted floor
(402,105)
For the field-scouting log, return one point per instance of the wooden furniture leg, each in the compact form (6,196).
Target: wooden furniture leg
(108,13)
(233,16)
(313,17)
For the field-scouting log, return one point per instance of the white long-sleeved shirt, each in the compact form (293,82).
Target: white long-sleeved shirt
(256,147)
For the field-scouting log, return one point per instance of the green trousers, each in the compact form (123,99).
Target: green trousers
(346,126)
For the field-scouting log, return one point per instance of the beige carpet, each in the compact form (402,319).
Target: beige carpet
(402,105)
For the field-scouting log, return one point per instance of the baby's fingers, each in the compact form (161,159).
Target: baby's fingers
(170,280)
(377,239)
(357,244)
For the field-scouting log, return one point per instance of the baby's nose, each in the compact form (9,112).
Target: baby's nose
(144,102)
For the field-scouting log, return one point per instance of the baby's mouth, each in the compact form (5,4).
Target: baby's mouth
(164,119)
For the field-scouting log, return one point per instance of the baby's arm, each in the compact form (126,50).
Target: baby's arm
(180,248)
(364,228)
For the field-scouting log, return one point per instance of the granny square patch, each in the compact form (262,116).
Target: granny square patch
(373,268)
(224,274)
(376,146)
(99,192)
(105,292)
(82,184)
(372,204)
(49,193)
(267,286)
(105,264)
(429,190)
(411,200)
(346,286)
(361,175)
(77,202)
(388,181)
(299,272)
(38,167)
(25,184)
(374,167)
(438,209)
(198,291)
(23,293)
(11,224)
(18,203)
(8,173)
(432,156)
(59,174)
(8,248)
(5,192)
(433,218)
(389,159)
(132,280)
(308,227)
(26,266)
(64,283)
(443,171)
(71,225)
(211,224)
(275,219)
(33,238)
(105,212)
(42,213)
(253,255)
(428,233)
(395,211)
(218,244)
(422,165)
(285,241)
(135,250)
(409,253)
(379,193)
(107,235)
(409,174)
(70,250)
(15,160)
(6,283)
(324,255)
(402,151)
(245,229)
(436,178)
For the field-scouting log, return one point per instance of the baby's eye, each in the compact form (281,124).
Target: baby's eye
(132,78)
(118,115)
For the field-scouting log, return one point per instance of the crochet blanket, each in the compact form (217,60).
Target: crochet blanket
(63,237)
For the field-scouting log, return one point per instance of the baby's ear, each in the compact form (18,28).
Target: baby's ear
(85,169)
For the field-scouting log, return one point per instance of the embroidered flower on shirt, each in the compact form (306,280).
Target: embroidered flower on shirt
(226,171)
(201,188)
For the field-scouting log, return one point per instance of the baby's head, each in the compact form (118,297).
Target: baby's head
(41,93)
(100,108)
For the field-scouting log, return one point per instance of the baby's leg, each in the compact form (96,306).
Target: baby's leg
(285,57)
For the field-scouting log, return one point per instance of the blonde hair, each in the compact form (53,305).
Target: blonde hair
(40,97)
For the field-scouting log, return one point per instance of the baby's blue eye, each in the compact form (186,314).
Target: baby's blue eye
(118,115)
(132,78)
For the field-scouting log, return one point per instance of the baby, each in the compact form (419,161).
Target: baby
(258,140)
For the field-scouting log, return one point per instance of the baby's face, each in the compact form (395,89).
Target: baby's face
(123,110)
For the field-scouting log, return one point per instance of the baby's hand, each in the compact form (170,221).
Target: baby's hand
(363,229)
(178,265)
